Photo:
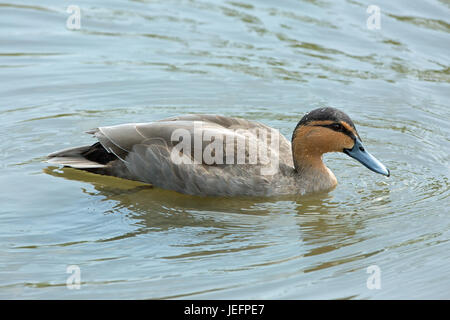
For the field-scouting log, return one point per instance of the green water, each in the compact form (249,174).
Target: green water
(271,61)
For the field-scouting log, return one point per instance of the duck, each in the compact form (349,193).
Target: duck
(215,155)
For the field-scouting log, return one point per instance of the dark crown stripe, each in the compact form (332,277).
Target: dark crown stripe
(326,114)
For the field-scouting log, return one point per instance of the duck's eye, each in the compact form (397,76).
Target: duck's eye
(337,127)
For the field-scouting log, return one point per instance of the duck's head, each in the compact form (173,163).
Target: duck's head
(329,130)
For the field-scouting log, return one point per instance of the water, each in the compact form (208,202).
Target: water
(136,61)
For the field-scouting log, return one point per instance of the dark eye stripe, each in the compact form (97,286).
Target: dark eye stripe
(338,128)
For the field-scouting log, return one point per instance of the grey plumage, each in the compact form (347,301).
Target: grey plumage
(143,152)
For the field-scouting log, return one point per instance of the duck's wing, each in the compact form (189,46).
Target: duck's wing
(239,125)
(120,139)
(192,153)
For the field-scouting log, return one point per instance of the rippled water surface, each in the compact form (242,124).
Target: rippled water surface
(270,61)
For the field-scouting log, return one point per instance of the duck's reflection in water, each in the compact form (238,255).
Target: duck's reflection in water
(313,224)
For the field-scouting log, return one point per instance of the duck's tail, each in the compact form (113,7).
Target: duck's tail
(85,157)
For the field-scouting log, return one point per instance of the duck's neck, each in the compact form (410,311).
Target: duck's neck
(310,169)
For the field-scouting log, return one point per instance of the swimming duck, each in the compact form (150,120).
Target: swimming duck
(214,155)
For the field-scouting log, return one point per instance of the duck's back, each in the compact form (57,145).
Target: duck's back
(196,154)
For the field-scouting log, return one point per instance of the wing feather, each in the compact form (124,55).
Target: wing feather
(146,150)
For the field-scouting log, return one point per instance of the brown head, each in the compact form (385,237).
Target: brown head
(329,130)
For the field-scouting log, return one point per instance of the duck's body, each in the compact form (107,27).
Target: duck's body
(211,155)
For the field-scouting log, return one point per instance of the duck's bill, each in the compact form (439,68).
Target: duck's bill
(359,153)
